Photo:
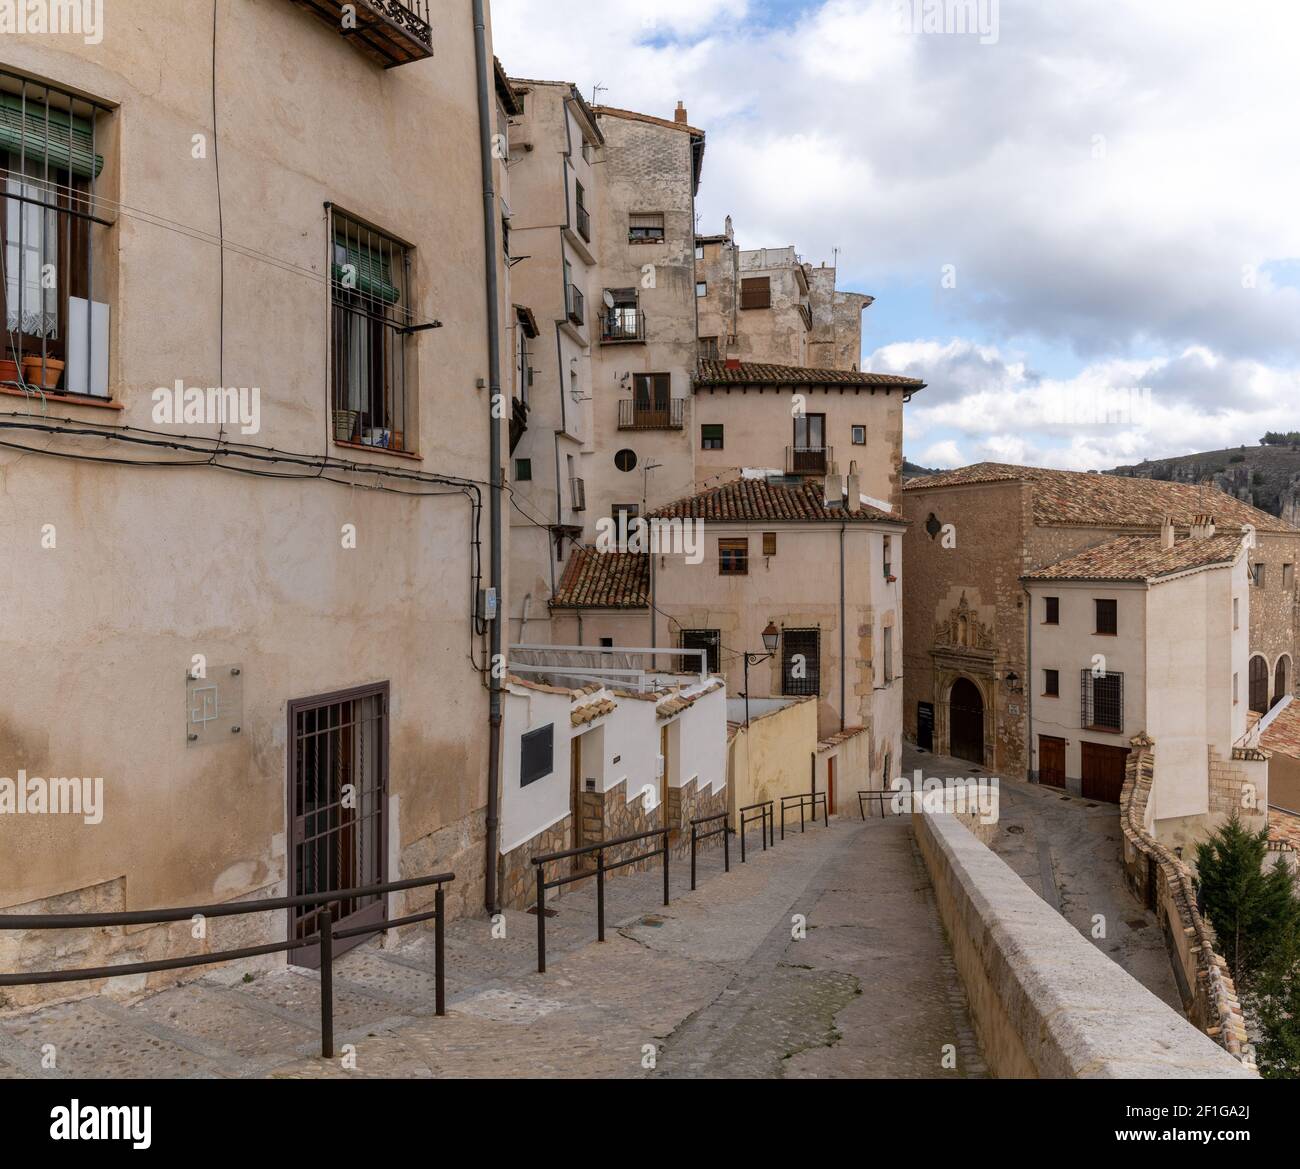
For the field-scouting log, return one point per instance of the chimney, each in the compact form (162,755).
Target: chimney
(1167,533)
(834,488)
(854,502)
(1203,527)
(680,115)
(733,351)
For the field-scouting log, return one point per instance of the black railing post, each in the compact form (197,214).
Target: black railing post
(665,866)
(762,827)
(541,920)
(600,895)
(803,820)
(782,819)
(742,838)
(770,816)
(693,830)
(440,952)
(325,925)
(826,810)
(726,847)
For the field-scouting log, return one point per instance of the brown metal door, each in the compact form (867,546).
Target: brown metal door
(338,788)
(1051,761)
(1102,769)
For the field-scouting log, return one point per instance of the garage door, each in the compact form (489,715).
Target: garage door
(1103,772)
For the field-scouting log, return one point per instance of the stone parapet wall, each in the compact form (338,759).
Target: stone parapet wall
(1044,1000)
(1160,880)
(518,881)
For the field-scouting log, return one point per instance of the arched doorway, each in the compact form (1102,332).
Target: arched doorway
(1282,679)
(966,721)
(1259,685)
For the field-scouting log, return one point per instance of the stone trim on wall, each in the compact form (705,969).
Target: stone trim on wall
(1214,1006)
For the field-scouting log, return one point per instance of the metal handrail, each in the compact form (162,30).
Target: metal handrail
(325,936)
(601,869)
(697,835)
(806,800)
(880,795)
(767,813)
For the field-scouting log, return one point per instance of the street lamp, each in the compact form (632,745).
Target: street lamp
(771,638)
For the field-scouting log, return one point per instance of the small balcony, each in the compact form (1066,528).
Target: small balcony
(389,32)
(807,460)
(577,305)
(622,326)
(577,494)
(584,222)
(634,415)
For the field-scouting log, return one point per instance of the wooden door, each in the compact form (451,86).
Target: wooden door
(925,726)
(966,722)
(1102,769)
(1051,761)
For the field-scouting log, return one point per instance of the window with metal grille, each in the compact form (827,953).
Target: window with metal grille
(372,316)
(733,557)
(1102,707)
(536,755)
(769,543)
(646,227)
(1051,610)
(54,302)
(756,292)
(800,661)
(705,639)
(1051,683)
(1107,617)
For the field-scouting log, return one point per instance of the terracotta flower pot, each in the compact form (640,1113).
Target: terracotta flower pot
(47,378)
(9,371)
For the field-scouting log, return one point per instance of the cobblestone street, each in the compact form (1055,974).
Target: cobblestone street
(724,982)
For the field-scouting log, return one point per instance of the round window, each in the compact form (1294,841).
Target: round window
(625,460)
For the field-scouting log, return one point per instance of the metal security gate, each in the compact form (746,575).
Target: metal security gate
(338,784)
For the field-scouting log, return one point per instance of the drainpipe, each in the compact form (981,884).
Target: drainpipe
(843,633)
(485,121)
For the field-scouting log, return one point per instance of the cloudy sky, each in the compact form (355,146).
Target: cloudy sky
(1091,211)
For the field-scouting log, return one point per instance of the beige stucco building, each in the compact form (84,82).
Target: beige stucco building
(260,634)
(1148,635)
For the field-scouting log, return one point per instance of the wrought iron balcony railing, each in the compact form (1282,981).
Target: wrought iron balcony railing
(577,305)
(807,460)
(622,324)
(584,223)
(389,32)
(634,415)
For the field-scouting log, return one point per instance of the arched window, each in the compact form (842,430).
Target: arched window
(1282,679)
(1259,685)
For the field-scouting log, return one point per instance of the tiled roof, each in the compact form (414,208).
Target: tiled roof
(1283,733)
(839,737)
(1089,499)
(1284,828)
(679,702)
(1140,558)
(580,716)
(752,373)
(604,580)
(761,499)
(633,116)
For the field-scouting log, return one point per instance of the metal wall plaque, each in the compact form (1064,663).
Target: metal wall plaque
(214,705)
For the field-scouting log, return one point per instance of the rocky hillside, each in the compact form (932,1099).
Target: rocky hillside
(1266,476)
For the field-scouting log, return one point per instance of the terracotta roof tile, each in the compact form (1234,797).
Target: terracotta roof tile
(751,373)
(1089,499)
(1140,558)
(760,499)
(582,715)
(1283,733)
(604,580)
(650,119)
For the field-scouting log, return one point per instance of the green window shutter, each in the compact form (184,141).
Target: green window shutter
(371,272)
(64,140)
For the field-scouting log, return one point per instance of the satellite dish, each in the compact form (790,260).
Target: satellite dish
(609,299)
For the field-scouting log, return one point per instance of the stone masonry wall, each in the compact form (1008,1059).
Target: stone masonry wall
(1209,994)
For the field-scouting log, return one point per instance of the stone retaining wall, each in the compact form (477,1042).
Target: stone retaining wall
(1044,1000)
(1162,882)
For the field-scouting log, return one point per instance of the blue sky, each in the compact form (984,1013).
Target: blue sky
(1109,184)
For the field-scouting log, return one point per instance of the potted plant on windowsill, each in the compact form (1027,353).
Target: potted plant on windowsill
(9,371)
(44,373)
